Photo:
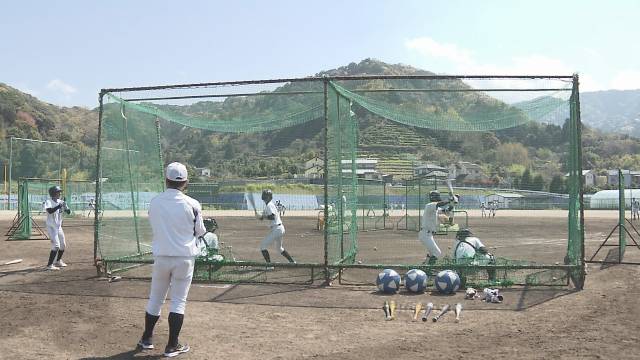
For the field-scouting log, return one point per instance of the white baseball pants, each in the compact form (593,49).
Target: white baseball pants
(276,234)
(171,274)
(426,237)
(56,235)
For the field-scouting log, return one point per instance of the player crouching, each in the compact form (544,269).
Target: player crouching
(277,229)
(470,250)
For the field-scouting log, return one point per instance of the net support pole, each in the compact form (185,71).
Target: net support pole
(98,195)
(326,184)
(10,173)
(621,215)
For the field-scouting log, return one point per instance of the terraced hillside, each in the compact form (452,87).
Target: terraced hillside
(393,145)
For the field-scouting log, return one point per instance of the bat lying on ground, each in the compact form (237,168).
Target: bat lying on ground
(417,311)
(16,261)
(458,311)
(387,311)
(392,308)
(444,310)
(427,311)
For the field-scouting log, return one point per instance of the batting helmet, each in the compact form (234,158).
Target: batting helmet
(267,195)
(434,196)
(464,233)
(54,190)
(210,224)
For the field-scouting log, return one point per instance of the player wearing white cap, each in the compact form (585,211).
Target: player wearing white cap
(176,222)
(54,208)
(277,229)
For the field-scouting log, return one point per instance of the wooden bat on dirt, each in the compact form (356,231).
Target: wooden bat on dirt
(458,311)
(444,310)
(392,308)
(387,311)
(16,261)
(427,311)
(417,311)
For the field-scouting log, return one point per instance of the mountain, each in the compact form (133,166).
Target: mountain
(615,111)
(24,116)
(502,155)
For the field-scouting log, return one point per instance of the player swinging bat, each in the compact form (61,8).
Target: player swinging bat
(444,310)
(427,311)
(458,311)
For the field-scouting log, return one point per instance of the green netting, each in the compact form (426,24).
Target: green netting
(296,114)
(138,139)
(32,193)
(490,114)
(622,244)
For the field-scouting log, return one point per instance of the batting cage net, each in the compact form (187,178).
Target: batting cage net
(353,162)
(30,219)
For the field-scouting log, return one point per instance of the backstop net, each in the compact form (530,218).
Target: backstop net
(345,156)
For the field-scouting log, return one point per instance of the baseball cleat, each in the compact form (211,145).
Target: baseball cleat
(176,350)
(52,267)
(60,263)
(145,344)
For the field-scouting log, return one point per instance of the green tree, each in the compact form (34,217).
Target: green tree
(557,184)
(525,180)
(538,183)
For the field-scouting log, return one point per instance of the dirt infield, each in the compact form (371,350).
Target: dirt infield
(72,314)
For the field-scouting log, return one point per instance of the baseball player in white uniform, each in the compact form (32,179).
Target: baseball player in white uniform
(54,208)
(431,223)
(469,249)
(176,222)
(208,244)
(277,229)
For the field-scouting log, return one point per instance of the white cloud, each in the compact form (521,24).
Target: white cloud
(626,80)
(61,86)
(429,47)
(463,62)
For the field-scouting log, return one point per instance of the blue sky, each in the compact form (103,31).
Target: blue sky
(64,52)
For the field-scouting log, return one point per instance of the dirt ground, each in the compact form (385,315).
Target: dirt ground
(72,314)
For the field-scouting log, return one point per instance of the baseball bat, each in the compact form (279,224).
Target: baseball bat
(13,262)
(417,311)
(387,311)
(427,311)
(392,308)
(458,311)
(444,310)
(253,203)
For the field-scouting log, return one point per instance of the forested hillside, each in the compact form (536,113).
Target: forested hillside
(508,156)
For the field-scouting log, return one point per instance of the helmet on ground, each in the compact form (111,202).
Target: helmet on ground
(54,190)
(434,195)
(210,224)
(267,195)
(464,233)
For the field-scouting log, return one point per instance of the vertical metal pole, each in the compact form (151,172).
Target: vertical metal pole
(326,184)
(340,178)
(160,151)
(576,85)
(98,195)
(10,172)
(406,204)
(59,160)
(419,204)
(384,205)
(364,203)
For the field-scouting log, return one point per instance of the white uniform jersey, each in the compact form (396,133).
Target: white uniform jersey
(430,217)
(211,241)
(55,219)
(467,249)
(176,221)
(271,209)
